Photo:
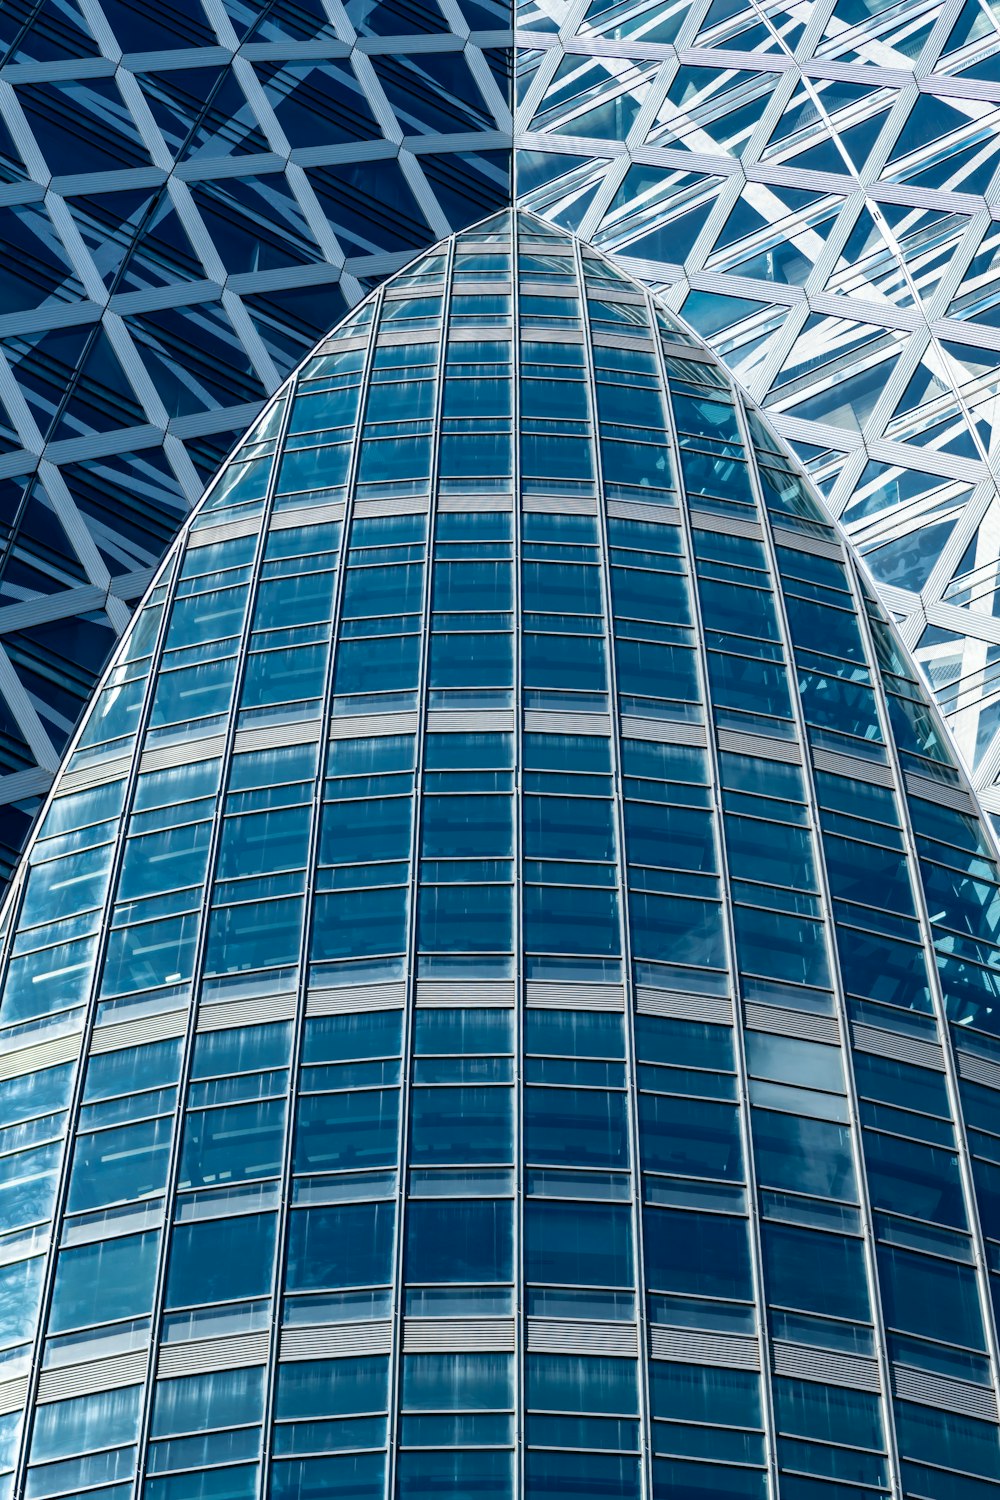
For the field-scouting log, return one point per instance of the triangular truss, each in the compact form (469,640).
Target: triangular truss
(191,192)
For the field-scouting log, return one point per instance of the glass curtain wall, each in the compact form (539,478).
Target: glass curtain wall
(503,999)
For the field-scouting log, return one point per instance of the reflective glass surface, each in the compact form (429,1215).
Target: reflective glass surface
(814,187)
(503,998)
(191,194)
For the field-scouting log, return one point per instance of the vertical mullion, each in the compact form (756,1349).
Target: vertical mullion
(520,1310)
(402,1154)
(172,562)
(180,1116)
(298,1025)
(628,986)
(739,1048)
(934,980)
(833,958)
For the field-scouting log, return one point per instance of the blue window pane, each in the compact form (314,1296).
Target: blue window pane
(703,1393)
(458,1382)
(574,1033)
(882,969)
(259,935)
(242,1049)
(822,1273)
(347,1130)
(449,1241)
(657,671)
(697,1254)
(585,1128)
(238,1483)
(111,1165)
(465,919)
(20,1286)
(919,1180)
(472,586)
(461,1125)
(365,831)
(358,922)
(783,947)
(341,1245)
(193,693)
(827,1412)
(376,1033)
(376,666)
(684,1043)
(565,1382)
(102,1282)
(689,1137)
(564,1476)
(677,931)
(573,663)
(224,1398)
(470,1031)
(471,659)
(579,1244)
(358,1475)
(561,919)
(803,1155)
(221,1259)
(949,1439)
(151,954)
(568,828)
(684,1481)
(677,837)
(63,1428)
(466,827)
(460,1473)
(332,1387)
(935,1298)
(740,682)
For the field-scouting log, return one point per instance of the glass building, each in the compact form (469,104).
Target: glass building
(502,1000)
(815,186)
(192,193)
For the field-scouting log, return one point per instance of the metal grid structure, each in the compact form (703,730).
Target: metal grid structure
(815,187)
(190,196)
(513,956)
(191,193)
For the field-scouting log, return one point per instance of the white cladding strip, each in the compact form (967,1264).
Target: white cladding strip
(356,997)
(715,1009)
(553,996)
(690,1347)
(567,1336)
(904,1048)
(336,1341)
(235,1352)
(96,1375)
(943,1394)
(449,992)
(798,1023)
(155,1028)
(252,1011)
(663,732)
(48,1054)
(428,1335)
(825,1365)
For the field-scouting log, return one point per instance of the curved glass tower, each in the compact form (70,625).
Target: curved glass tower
(192,193)
(502,1001)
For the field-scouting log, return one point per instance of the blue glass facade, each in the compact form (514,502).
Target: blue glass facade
(191,194)
(502,999)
